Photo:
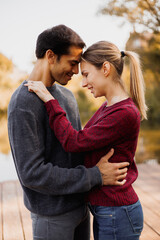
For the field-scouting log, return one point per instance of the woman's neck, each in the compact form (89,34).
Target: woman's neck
(116,99)
(116,94)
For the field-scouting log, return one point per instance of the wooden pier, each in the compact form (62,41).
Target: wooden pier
(15,222)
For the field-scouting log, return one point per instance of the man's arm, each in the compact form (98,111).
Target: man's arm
(28,150)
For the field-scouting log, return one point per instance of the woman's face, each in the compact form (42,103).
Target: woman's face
(93,79)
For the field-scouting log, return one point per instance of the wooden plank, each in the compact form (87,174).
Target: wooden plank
(149,168)
(1,214)
(151,219)
(12,227)
(151,171)
(16,219)
(149,180)
(149,234)
(25,215)
(91,227)
(148,201)
(147,187)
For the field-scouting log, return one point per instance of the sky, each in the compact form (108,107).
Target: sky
(21,21)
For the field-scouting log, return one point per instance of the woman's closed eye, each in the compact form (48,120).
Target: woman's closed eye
(85,75)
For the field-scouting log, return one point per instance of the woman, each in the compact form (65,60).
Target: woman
(116,209)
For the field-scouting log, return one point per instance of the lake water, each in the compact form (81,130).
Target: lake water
(148,151)
(8,172)
(148,146)
(7,168)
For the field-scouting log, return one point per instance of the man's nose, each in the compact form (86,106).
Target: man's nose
(75,69)
(84,82)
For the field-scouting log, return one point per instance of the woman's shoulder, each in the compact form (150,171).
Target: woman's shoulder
(125,110)
(130,112)
(131,108)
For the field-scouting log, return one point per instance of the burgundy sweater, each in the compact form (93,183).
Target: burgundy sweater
(115,126)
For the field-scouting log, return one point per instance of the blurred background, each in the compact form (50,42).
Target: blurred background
(132,25)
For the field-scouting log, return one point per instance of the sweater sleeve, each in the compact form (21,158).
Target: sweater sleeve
(34,172)
(115,127)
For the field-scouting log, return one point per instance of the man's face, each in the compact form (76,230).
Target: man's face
(64,68)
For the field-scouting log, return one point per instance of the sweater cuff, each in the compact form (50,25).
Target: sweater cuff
(95,176)
(50,105)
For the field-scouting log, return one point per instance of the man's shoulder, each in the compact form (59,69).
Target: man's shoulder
(23,99)
(64,90)
(64,94)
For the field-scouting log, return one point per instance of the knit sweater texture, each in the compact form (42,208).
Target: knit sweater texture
(53,181)
(115,126)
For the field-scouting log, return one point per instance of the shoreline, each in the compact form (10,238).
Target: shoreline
(8,171)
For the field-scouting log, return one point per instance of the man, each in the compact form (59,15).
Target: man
(53,181)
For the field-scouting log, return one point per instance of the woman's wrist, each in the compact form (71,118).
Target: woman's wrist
(48,98)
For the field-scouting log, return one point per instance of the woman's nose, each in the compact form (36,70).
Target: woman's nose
(84,82)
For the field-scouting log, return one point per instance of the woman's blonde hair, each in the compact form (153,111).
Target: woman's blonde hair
(103,51)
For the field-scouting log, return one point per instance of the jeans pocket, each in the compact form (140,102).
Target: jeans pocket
(135,216)
(103,222)
(101,211)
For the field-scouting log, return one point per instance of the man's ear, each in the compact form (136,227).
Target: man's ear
(50,55)
(106,68)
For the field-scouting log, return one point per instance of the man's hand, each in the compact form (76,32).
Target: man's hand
(112,173)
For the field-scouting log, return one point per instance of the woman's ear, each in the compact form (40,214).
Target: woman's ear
(50,55)
(106,68)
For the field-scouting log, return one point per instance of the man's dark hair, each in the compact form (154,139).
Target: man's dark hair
(58,39)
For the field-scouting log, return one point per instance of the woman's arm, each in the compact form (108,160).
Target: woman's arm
(108,131)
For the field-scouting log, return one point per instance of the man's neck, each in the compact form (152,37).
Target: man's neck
(41,73)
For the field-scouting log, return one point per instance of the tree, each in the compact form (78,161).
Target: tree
(5,63)
(86,107)
(143,12)
(8,84)
(146,43)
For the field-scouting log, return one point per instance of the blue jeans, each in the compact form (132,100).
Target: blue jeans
(117,223)
(74,225)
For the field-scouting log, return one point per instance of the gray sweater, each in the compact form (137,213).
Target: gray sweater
(53,181)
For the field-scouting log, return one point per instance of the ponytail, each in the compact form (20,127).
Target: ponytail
(137,87)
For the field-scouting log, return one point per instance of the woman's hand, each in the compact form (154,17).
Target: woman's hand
(39,88)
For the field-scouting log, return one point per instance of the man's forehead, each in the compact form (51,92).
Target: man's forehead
(75,51)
